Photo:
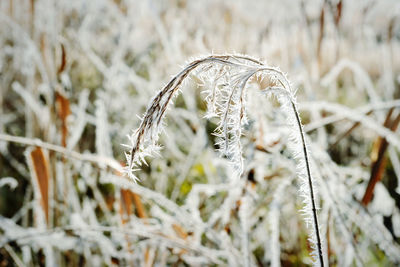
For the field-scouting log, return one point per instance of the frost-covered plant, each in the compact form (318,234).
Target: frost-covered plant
(229,76)
(73,74)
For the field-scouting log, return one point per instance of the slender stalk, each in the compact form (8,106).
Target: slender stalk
(99,160)
(310,184)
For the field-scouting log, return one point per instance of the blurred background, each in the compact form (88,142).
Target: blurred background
(75,77)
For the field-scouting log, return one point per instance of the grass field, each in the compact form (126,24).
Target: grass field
(207,97)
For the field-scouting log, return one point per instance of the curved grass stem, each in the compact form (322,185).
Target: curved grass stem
(242,69)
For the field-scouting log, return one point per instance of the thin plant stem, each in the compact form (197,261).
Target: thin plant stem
(99,160)
(310,183)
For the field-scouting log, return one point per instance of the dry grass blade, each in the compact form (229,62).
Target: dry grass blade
(126,210)
(63,111)
(321,32)
(180,231)
(41,176)
(141,213)
(127,196)
(126,205)
(379,158)
(140,210)
(338,13)
(126,200)
(63,63)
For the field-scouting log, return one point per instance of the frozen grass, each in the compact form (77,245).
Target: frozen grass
(73,75)
(230,75)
